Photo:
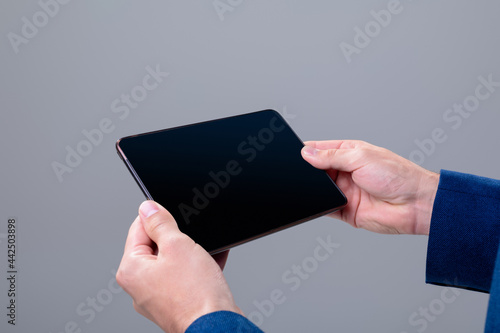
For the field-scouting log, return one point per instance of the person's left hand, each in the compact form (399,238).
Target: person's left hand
(172,280)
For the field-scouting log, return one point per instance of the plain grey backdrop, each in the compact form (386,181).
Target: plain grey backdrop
(65,66)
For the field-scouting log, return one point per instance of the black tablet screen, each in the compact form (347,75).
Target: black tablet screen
(230,180)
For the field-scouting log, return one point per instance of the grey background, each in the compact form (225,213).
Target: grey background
(264,54)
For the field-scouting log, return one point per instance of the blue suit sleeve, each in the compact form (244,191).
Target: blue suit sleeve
(222,322)
(464,232)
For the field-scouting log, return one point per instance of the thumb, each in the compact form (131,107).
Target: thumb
(336,159)
(157,221)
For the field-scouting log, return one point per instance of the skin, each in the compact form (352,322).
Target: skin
(387,193)
(173,281)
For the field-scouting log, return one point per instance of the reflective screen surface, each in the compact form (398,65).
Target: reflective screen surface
(230,180)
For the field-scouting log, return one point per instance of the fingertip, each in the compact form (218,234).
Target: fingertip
(309,151)
(156,221)
(148,208)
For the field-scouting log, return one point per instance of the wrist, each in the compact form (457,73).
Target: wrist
(425,201)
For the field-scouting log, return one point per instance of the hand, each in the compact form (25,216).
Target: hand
(172,280)
(386,193)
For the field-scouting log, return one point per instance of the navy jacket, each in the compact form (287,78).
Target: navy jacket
(464,237)
(462,249)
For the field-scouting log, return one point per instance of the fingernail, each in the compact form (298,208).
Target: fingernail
(309,151)
(148,208)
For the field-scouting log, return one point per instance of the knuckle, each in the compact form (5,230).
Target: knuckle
(156,225)
(138,307)
(122,278)
(330,153)
(364,153)
(178,242)
(175,238)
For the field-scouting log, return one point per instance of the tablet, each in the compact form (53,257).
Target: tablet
(230,180)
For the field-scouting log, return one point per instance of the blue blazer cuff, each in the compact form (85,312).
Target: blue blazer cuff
(221,322)
(464,232)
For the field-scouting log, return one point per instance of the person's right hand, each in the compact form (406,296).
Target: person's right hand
(386,193)
(172,280)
